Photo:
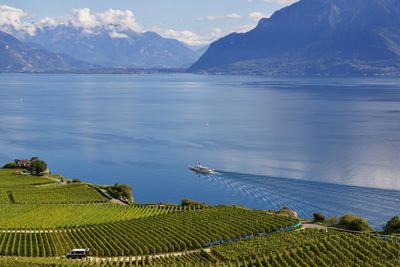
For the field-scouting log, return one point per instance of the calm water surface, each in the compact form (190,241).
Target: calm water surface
(310,144)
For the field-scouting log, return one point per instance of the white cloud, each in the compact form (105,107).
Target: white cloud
(116,35)
(245,28)
(226,16)
(110,19)
(11,19)
(256,16)
(281,2)
(192,38)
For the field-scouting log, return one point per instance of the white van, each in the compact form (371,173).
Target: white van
(77,253)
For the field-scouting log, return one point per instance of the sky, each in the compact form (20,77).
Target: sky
(195,22)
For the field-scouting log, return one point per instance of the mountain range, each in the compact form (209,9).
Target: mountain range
(309,37)
(314,37)
(112,48)
(16,56)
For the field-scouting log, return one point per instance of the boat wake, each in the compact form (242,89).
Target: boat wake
(307,197)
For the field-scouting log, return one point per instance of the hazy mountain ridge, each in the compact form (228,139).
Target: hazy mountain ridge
(321,37)
(16,56)
(116,49)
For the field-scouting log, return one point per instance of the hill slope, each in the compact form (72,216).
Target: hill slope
(16,56)
(314,37)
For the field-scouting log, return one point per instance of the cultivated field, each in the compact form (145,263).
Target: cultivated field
(42,220)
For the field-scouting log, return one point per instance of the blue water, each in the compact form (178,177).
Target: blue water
(318,144)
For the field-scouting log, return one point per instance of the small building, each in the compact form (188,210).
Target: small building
(23,163)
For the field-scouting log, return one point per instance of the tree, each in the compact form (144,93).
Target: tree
(352,222)
(38,167)
(359,225)
(10,165)
(393,225)
(318,217)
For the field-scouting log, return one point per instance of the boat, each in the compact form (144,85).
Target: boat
(201,169)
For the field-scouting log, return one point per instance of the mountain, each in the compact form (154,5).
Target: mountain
(113,48)
(317,37)
(16,56)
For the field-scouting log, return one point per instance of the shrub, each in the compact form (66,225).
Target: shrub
(192,203)
(359,225)
(10,165)
(120,191)
(318,217)
(352,222)
(38,167)
(393,225)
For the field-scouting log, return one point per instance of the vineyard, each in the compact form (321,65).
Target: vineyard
(312,248)
(296,248)
(144,236)
(42,220)
(61,215)
(75,193)
(8,178)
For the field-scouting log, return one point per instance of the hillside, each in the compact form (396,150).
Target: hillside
(46,216)
(16,56)
(314,37)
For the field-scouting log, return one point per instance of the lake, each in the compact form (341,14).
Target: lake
(318,144)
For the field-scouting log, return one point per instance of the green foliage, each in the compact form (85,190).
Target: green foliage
(318,217)
(312,248)
(393,225)
(38,166)
(177,231)
(74,193)
(10,165)
(8,178)
(61,215)
(352,222)
(359,225)
(192,203)
(120,191)
(331,221)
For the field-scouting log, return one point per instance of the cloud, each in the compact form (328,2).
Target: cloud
(281,2)
(11,19)
(192,38)
(110,19)
(256,16)
(222,17)
(116,35)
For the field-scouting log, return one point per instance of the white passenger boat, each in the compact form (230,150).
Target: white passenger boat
(201,169)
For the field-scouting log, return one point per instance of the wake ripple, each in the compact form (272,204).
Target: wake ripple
(306,197)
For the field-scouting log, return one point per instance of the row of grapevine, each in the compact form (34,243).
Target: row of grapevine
(312,248)
(74,193)
(177,231)
(60,215)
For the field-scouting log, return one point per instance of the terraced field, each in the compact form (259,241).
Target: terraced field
(74,193)
(178,231)
(312,248)
(42,220)
(27,216)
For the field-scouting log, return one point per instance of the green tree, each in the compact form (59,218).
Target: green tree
(359,225)
(393,225)
(38,167)
(10,165)
(352,222)
(318,217)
